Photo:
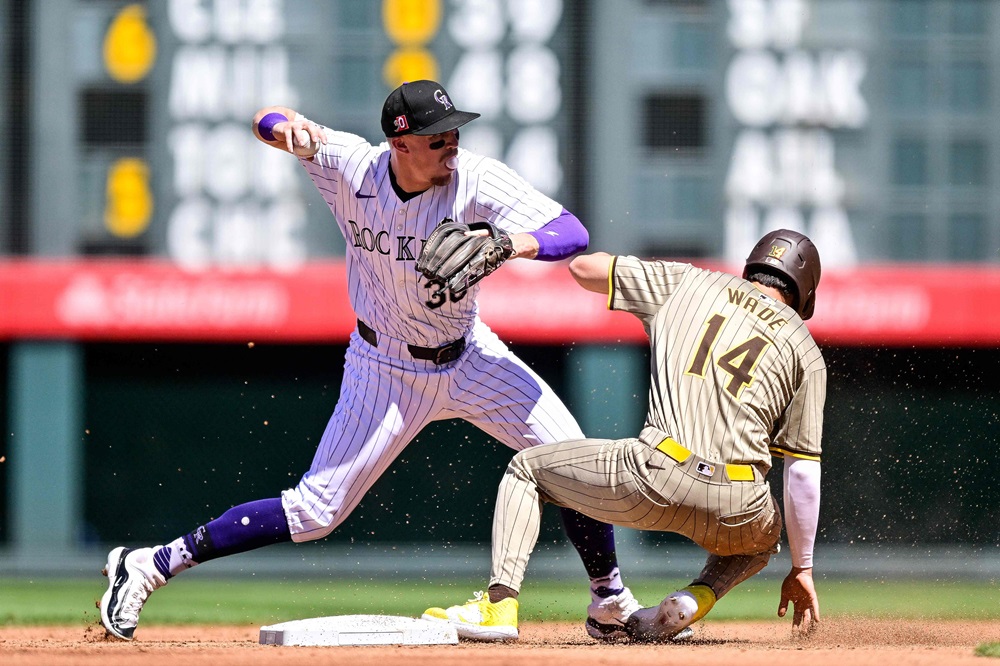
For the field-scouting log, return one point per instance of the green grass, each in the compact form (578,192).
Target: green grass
(988,650)
(255,600)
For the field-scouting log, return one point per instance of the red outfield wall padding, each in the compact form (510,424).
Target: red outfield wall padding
(525,302)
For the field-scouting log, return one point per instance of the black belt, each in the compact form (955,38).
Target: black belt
(438,355)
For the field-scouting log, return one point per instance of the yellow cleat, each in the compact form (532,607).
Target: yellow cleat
(480,619)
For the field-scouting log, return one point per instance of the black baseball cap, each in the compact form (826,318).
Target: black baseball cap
(421,107)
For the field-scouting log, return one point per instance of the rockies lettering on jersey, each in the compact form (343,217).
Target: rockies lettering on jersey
(367,239)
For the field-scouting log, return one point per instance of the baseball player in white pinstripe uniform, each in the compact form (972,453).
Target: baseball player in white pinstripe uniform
(419,353)
(736,378)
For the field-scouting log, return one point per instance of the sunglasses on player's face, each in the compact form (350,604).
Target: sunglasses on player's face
(438,143)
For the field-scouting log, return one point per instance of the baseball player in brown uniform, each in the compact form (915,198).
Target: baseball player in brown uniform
(736,378)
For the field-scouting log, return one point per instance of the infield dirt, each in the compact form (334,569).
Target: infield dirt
(837,642)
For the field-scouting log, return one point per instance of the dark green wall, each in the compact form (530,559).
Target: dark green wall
(176,434)
(910,450)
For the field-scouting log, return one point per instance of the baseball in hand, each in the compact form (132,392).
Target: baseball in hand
(303,145)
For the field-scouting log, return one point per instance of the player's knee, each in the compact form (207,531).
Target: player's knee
(311,518)
(521,469)
(318,532)
(313,527)
(518,465)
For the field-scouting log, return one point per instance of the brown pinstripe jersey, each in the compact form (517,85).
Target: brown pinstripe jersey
(735,375)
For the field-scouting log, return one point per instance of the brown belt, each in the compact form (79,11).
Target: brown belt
(437,355)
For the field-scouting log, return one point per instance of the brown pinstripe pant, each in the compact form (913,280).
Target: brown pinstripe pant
(626,482)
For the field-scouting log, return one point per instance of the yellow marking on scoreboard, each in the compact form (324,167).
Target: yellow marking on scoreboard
(411,22)
(129,207)
(409,64)
(129,46)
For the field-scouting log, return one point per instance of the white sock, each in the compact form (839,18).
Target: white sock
(174,557)
(612,583)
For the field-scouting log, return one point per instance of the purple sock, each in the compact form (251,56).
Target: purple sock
(242,528)
(593,540)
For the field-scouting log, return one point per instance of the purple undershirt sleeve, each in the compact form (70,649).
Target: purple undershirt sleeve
(561,238)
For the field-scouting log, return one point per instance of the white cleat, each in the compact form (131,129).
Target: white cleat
(606,616)
(132,577)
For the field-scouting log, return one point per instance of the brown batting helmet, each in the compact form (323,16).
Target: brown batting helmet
(792,254)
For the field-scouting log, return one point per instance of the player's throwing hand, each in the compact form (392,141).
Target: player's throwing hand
(291,132)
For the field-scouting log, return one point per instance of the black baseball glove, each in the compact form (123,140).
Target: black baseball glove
(458,259)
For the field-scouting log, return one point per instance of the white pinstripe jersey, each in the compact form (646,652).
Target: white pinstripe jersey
(735,375)
(384,235)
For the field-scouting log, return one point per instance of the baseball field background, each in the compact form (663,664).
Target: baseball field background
(174,313)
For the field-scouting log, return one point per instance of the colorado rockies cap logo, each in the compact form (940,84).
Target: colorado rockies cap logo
(400,124)
(442,99)
(777,251)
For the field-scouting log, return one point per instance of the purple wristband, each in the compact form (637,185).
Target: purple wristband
(561,238)
(267,124)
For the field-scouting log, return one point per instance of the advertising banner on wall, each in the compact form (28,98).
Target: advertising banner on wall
(117,300)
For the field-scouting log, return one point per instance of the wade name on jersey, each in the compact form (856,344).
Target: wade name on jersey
(749,303)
